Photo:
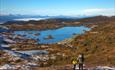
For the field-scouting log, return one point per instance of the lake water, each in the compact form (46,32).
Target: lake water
(34,52)
(57,34)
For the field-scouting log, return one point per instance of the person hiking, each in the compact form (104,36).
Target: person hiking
(74,62)
(80,61)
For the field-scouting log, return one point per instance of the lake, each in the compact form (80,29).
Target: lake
(53,36)
(34,52)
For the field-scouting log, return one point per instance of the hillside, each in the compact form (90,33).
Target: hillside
(99,43)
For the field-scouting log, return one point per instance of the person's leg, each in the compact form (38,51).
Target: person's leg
(74,66)
(79,66)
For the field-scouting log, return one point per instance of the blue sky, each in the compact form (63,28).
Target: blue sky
(58,7)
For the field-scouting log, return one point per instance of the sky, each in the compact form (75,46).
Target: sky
(57,7)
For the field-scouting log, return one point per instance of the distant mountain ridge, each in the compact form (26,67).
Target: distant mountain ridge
(5,18)
(59,19)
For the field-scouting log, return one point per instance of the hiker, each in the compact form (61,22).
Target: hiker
(74,62)
(80,61)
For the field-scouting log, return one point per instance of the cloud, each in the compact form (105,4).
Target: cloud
(99,11)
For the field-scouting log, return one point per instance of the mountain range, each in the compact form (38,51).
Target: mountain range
(5,18)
